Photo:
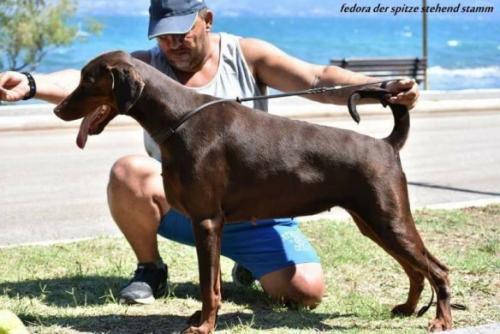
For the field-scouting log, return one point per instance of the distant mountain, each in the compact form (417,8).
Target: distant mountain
(278,7)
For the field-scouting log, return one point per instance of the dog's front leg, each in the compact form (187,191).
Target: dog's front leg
(207,236)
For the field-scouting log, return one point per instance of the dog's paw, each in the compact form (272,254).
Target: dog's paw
(190,330)
(198,330)
(402,310)
(439,325)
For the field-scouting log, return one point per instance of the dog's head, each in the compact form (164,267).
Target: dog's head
(109,85)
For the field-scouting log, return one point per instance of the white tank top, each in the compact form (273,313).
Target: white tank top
(233,79)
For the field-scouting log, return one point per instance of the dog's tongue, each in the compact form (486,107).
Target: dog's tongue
(86,125)
(83,133)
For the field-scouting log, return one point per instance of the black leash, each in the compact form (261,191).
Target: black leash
(161,138)
(425,308)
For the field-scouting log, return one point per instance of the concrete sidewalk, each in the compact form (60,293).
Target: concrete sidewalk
(493,328)
(14,117)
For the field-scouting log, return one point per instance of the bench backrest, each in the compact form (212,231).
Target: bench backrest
(386,67)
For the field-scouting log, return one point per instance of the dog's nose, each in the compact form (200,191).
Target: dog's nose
(58,109)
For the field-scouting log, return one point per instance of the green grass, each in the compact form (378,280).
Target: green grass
(71,288)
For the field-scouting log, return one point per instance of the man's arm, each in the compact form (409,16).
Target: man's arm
(281,71)
(52,87)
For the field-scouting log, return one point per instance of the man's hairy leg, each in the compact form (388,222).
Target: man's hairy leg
(137,203)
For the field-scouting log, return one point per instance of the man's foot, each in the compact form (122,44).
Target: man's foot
(242,276)
(148,283)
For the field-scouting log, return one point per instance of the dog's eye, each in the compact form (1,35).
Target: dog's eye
(88,80)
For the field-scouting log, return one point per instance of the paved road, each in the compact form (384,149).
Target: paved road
(50,190)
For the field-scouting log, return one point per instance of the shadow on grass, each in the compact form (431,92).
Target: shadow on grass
(99,290)
(67,291)
(230,293)
(128,324)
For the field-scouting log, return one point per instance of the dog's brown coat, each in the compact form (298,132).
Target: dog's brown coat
(230,163)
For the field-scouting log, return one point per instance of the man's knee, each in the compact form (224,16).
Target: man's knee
(130,173)
(303,284)
(307,289)
(134,180)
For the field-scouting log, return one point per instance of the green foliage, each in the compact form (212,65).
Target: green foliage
(29,28)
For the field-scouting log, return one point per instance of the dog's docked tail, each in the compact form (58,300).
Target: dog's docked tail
(399,133)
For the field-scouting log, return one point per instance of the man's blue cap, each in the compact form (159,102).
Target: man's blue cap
(173,16)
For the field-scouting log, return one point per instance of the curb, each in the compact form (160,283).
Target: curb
(340,214)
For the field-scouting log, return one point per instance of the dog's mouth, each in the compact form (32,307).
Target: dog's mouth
(94,123)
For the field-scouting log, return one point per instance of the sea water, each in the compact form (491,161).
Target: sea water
(463,53)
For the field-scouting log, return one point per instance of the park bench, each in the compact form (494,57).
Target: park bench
(386,68)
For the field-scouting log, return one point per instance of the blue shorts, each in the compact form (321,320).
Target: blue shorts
(261,247)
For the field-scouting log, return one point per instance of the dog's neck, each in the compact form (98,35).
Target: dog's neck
(163,102)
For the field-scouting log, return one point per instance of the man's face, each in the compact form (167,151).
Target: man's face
(186,52)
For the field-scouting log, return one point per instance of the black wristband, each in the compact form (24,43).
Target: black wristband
(384,84)
(31,83)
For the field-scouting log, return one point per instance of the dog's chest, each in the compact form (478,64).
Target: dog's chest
(173,188)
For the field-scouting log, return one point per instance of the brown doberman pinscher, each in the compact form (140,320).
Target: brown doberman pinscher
(230,163)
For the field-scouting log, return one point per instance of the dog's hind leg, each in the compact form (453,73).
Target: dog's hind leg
(416,287)
(418,257)
(415,277)
(387,220)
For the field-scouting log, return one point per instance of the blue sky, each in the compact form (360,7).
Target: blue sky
(277,7)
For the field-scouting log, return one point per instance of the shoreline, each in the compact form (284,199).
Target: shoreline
(39,116)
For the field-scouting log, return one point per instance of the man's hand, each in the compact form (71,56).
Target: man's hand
(13,86)
(404,92)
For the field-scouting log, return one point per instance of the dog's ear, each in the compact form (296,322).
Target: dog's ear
(127,86)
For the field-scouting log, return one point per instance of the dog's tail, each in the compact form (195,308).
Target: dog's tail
(399,133)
